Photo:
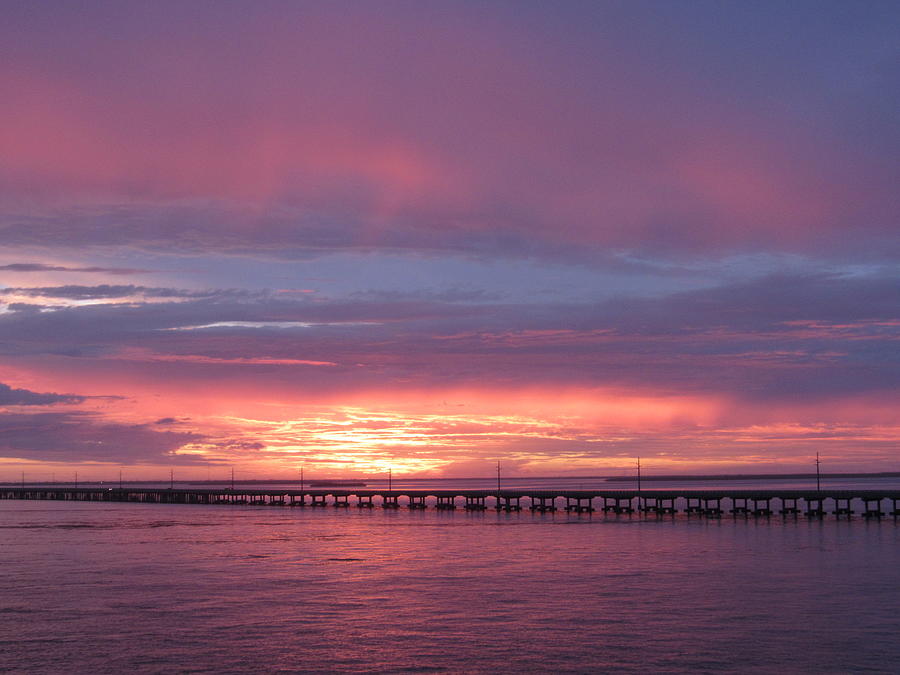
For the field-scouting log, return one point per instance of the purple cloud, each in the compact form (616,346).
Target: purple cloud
(549,132)
(83,436)
(779,336)
(10,396)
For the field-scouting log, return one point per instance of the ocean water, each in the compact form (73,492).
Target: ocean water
(112,588)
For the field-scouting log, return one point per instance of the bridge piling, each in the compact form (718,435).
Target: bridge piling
(543,504)
(579,504)
(789,506)
(693,505)
(475,503)
(815,507)
(842,507)
(650,505)
(764,510)
(445,503)
(712,507)
(740,506)
(872,507)
(506,503)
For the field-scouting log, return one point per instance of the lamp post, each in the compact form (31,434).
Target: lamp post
(818,479)
(639,474)
(639,483)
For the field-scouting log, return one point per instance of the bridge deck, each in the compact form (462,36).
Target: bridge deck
(618,500)
(560,493)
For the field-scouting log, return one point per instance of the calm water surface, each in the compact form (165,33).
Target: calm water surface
(102,588)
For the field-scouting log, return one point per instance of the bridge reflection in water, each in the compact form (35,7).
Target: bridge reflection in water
(708,503)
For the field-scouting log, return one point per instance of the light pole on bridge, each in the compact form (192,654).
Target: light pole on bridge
(818,480)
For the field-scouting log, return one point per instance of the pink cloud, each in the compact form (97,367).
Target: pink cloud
(482,140)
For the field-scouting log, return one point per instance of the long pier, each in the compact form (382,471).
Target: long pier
(841,503)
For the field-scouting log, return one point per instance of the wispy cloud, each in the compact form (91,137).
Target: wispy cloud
(106,291)
(40,267)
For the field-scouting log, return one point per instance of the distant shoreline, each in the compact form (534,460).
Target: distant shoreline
(756,476)
(612,479)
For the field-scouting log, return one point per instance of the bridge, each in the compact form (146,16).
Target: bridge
(708,503)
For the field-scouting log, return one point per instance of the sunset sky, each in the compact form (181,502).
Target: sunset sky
(434,235)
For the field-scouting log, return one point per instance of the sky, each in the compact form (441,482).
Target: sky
(433,236)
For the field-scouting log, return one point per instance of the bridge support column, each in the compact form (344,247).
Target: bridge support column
(364,502)
(298,500)
(659,505)
(476,503)
(445,503)
(789,506)
(650,505)
(815,507)
(579,504)
(505,503)
(764,510)
(341,500)
(896,511)
(739,506)
(543,504)
(618,505)
(712,506)
(842,507)
(872,507)
(318,500)
(417,502)
(390,502)
(693,505)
